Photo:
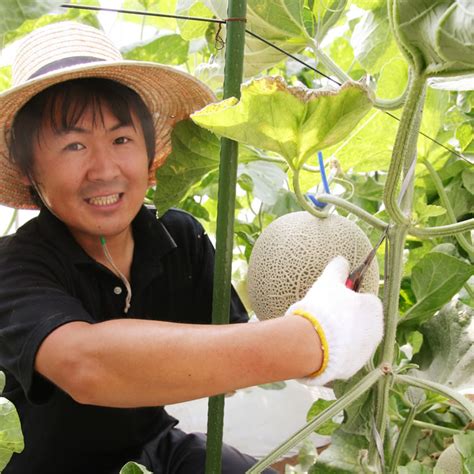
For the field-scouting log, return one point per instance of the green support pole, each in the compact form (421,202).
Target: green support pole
(234,58)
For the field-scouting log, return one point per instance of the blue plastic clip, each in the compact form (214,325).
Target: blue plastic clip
(317,203)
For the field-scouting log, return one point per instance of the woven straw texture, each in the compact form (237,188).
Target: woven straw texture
(171,95)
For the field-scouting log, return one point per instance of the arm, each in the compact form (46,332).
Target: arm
(132,363)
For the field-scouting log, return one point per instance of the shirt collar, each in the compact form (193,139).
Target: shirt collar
(152,239)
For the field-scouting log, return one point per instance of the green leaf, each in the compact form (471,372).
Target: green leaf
(342,455)
(267,179)
(158,6)
(436,34)
(372,40)
(279,21)
(292,121)
(465,135)
(195,153)
(14,12)
(393,78)
(357,416)
(64,14)
(190,29)
(316,408)
(369,4)
(468,180)
(447,353)
(455,33)
(465,445)
(169,49)
(134,468)
(11,437)
(436,278)
(358,151)
(276,19)
(2,381)
(326,14)
(414,467)
(424,211)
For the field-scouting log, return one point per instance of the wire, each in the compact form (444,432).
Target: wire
(122,277)
(251,33)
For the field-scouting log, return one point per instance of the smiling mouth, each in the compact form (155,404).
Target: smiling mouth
(104,200)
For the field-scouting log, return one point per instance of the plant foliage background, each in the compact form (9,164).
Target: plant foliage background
(344,40)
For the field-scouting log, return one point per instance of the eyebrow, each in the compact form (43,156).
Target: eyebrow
(84,130)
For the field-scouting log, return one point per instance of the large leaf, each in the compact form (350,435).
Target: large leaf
(414,467)
(438,35)
(169,49)
(196,152)
(357,416)
(278,21)
(267,180)
(292,121)
(14,12)
(447,353)
(64,14)
(342,456)
(436,278)
(11,437)
(372,40)
(465,445)
(159,6)
(190,29)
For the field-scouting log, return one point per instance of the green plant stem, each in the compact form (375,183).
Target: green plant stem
(463,242)
(442,230)
(350,396)
(438,388)
(301,199)
(441,429)
(402,436)
(404,149)
(12,221)
(235,38)
(403,158)
(354,209)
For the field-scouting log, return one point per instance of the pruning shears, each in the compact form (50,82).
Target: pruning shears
(354,280)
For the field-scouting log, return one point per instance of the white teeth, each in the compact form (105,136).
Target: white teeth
(104,200)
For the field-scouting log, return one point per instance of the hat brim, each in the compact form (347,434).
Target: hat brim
(171,95)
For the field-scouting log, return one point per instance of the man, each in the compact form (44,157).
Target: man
(105,310)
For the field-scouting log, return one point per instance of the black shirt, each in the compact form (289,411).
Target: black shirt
(47,280)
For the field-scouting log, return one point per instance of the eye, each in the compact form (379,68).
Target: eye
(121,140)
(74,146)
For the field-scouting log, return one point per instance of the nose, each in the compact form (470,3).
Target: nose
(102,166)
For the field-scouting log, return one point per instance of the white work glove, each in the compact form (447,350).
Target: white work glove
(349,324)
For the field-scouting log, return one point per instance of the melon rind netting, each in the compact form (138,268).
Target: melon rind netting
(292,252)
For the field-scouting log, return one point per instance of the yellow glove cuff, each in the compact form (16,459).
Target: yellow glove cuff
(322,337)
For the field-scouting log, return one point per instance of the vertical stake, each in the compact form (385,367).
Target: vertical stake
(234,58)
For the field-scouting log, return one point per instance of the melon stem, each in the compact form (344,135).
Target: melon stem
(403,156)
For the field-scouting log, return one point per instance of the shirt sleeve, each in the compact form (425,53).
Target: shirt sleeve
(33,303)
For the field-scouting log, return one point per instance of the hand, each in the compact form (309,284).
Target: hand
(349,324)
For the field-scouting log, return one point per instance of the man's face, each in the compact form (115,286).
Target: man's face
(93,176)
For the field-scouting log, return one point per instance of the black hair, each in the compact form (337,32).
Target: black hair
(63,105)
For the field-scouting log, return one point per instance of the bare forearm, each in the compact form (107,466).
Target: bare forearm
(146,363)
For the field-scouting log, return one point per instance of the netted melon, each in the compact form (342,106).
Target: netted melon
(292,252)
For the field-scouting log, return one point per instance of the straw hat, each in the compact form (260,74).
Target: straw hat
(67,50)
